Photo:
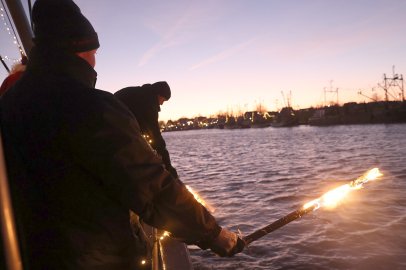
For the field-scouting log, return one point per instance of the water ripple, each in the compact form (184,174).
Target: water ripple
(253,177)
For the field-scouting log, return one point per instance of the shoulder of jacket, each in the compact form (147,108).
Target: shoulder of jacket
(129,89)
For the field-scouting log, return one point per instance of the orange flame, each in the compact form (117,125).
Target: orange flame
(200,199)
(333,197)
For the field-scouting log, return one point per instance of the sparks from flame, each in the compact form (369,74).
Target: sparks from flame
(333,197)
(200,199)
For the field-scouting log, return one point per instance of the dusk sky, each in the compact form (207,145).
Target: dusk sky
(230,55)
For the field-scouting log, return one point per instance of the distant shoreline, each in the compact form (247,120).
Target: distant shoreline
(379,112)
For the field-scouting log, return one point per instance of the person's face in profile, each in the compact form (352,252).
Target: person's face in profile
(161,100)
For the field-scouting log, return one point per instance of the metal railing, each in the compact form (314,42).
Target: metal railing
(9,231)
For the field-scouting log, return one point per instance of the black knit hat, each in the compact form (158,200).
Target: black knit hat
(60,24)
(162,89)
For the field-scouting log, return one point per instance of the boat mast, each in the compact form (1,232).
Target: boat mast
(393,87)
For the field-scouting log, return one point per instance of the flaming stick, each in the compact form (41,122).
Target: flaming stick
(329,199)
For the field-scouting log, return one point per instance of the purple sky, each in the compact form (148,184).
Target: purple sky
(231,55)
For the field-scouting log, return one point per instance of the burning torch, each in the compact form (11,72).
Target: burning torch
(329,199)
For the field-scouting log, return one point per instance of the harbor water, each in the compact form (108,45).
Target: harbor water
(252,177)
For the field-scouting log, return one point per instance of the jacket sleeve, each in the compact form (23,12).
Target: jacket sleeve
(158,142)
(108,144)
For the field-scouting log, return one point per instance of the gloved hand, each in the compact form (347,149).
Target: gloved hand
(227,244)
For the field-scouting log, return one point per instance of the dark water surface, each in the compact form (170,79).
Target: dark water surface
(254,176)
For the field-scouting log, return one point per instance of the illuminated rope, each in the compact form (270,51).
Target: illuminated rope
(11,31)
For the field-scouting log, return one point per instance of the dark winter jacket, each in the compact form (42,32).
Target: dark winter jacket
(77,163)
(143,103)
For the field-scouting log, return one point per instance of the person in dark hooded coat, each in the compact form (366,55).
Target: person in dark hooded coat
(144,102)
(77,163)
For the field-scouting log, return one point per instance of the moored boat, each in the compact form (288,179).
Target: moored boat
(286,118)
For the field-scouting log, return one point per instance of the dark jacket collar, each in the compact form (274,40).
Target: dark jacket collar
(49,62)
